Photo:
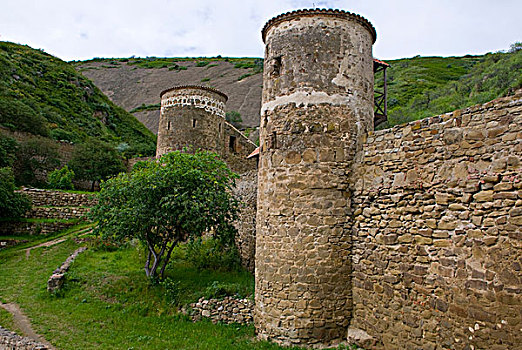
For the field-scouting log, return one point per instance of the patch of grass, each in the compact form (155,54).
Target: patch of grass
(205,79)
(243,76)
(144,107)
(108,302)
(7,321)
(212,65)
(202,63)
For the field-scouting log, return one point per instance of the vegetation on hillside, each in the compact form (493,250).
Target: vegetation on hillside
(44,95)
(420,87)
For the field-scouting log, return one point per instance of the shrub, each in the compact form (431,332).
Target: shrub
(12,204)
(211,253)
(219,290)
(234,118)
(8,148)
(61,178)
(34,158)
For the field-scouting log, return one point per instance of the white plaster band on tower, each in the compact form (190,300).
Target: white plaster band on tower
(198,101)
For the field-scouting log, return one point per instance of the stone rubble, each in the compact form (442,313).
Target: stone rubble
(57,279)
(227,310)
(11,341)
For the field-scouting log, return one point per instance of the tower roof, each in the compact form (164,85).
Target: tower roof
(323,12)
(181,87)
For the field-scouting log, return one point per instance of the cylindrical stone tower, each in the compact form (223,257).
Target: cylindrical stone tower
(191,116)
(317,105)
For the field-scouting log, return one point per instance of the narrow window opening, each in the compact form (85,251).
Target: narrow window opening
(232,144)
(194,123)
(276,66)
(168,125)
(219,127)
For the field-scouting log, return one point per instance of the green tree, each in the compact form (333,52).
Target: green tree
(34,158)
(8,148)
(164,202)
(234,118)
(61,178)
(12,204)
(95,161)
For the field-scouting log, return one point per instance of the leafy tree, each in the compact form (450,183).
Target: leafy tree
(8,148)
(95,160)
(12,204)
(61,178)
(234,118)
(161,203)
(34,158)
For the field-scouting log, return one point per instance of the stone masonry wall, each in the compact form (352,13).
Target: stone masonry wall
(41,197)
(246,192)
(437,242)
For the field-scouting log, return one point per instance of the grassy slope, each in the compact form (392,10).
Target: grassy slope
(44,95)
(420,87)
(108,303)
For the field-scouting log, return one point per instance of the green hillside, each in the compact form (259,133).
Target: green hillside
(420,87)
(46,96)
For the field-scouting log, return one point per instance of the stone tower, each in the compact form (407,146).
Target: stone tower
(191,116)
(317,104)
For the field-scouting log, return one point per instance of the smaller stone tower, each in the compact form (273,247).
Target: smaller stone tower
(191,116)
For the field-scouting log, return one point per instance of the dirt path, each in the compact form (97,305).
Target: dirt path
(22,322)
(46,244)
(82,232)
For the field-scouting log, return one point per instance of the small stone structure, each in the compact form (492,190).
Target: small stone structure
(12,341)
(194,117)
(56,280)
(227,310)
(317,105)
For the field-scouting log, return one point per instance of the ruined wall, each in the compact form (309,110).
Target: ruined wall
(317,104)
(436,245)
(246,192)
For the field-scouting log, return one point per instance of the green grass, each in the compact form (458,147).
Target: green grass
(6,321)
(107,301)
(144,107)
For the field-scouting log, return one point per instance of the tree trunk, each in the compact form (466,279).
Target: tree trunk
(167,258)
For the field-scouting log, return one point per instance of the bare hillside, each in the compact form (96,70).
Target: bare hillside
(130,85)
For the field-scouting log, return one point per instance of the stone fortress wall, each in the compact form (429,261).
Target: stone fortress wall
(407,238)
(437,241)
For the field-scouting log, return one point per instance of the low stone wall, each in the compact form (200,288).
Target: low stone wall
(246,192)
(33,228)
(11,341)
(41,197)
(227,310)
(56,280)
(65,213)
(436,242)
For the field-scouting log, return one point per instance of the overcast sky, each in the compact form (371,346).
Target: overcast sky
(72,29)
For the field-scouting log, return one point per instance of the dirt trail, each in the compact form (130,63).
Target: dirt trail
(81,233)
(22,322)
(46,244)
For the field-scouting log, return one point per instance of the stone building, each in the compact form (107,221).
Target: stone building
(406,238)
(317,104)
(194,117)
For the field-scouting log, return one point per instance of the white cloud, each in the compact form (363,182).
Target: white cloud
(118,28)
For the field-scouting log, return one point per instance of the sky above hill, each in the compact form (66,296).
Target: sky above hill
(75,30)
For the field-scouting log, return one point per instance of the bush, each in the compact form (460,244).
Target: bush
(8,148)
(61,179)
(34,159)
(219,290)
(234,118)
(12,204)
(211,253)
